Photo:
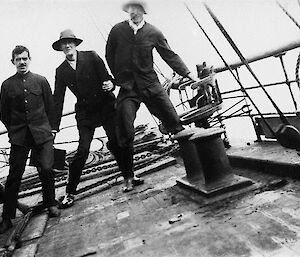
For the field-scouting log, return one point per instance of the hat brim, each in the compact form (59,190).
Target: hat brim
(126,6)
(57,44)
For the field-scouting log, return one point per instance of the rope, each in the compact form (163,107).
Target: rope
(229,68)
(95,24)
(290,16)
(297,71)
(158,70)
(298,25)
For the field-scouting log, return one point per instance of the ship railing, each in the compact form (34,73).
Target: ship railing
(233,103)
(292,85)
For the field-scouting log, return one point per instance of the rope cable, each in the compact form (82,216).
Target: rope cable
(229,68)
(290,16)
(298,25)
(297,71)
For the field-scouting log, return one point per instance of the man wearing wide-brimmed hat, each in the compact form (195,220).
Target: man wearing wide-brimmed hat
(129,55)
(85,74)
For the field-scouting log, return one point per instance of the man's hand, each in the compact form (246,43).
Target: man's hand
(107,85)
(192,77)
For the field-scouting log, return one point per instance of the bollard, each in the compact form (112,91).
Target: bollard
(206,163)
(189,154)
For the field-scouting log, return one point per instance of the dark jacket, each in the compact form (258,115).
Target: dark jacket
(27,105)
(93,104)
(130,57)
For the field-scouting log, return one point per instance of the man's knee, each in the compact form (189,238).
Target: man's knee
(45,165)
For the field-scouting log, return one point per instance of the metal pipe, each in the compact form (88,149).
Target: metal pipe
(255,87)
(264,55)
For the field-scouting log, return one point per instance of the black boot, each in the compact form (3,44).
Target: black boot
(53,211)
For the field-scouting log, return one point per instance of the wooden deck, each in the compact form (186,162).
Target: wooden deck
(161,219)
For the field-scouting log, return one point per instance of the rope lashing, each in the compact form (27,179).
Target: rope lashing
(298,25)
(297,71)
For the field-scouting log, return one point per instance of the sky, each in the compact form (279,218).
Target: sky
(256,26)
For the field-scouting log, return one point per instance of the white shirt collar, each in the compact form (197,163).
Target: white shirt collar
(135,27)
(73,62)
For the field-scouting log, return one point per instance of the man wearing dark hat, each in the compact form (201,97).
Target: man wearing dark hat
(85,74)
(27,113)
(129,55)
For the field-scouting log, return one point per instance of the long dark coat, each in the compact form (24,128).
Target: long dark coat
(93,105)
(130,57)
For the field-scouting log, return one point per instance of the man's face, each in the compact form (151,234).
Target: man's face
(136,13)
(68,47)
(22,61)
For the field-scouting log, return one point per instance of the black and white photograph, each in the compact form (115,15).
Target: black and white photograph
(152,128)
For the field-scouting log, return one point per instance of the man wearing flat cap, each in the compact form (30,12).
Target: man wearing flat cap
(129,54)
(85,74)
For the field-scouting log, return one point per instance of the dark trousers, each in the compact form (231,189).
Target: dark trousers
(17,162)
(2,193)
(159,104)
(86,134)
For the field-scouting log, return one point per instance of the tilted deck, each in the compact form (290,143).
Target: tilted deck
(161,219)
